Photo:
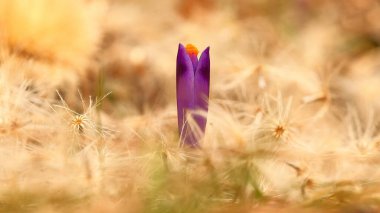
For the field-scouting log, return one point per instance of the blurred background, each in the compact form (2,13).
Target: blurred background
(129,47)
(139,44)
(141,37)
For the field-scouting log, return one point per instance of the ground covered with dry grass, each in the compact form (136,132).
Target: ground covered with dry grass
(88,112)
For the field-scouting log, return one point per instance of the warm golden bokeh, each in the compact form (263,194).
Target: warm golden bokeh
(57,38)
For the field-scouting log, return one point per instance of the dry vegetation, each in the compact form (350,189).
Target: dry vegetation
(88,109)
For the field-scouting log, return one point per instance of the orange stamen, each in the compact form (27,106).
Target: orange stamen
(191,49)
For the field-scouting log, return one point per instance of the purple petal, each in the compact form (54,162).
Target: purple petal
(202,87)
(194,61)
(185,94)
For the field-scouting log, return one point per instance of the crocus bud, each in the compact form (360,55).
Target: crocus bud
(193,88)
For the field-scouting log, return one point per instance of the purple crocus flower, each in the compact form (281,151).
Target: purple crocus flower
(193,88)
